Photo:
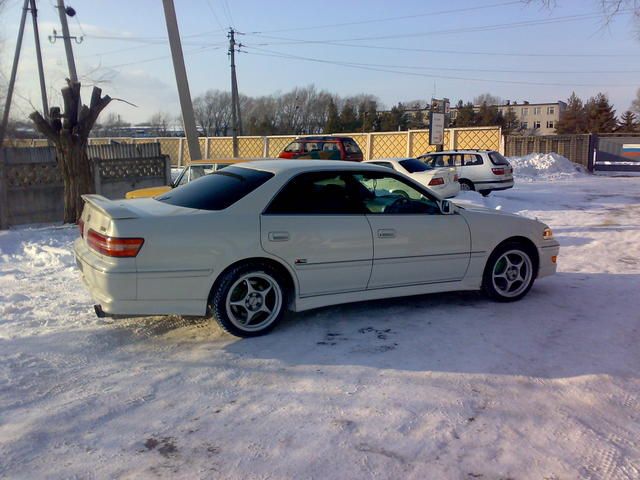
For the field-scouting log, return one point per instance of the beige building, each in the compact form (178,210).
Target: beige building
(534,118)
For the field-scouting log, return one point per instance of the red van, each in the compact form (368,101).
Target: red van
(323,148)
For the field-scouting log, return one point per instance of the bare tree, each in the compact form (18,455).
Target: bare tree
(487,98)
(69,132)
(160,122)
(213,112)
(635,105)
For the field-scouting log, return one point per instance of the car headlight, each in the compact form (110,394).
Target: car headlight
(547,234)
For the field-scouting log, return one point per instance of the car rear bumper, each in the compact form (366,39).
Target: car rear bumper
(494,184)
(115,286)
(447,190)
(548,254)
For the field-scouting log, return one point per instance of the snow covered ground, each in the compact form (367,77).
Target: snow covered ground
(440,386)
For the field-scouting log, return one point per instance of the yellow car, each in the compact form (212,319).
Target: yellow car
(188,174)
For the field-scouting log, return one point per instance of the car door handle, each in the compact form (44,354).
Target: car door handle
(278,236)
(386,233)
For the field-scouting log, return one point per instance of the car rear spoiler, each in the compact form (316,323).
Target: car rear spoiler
(116,210)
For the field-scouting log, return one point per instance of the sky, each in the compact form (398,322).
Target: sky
(398,51)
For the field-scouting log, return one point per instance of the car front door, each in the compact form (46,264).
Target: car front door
(321,231)
(414,243)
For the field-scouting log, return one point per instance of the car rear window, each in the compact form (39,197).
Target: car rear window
(218,190)
(498,159)
(413,165)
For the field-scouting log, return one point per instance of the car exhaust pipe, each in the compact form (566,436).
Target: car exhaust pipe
(99,312)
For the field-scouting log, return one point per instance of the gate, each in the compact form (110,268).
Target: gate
(617,153)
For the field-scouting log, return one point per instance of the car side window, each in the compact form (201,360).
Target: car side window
(440,160)
(319,193)
(387,194)
(471,159)
(312,147)
(351,147)
(293,147)
(330,147)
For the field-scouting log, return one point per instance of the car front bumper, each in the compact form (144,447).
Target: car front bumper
(548,255)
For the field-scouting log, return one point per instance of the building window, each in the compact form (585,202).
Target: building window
(536,124)
(525,112)
(525,125)
(537,110)
(551,110)
(550,124)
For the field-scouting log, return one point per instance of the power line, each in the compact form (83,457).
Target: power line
(402,17)
(459,69)
(163,57)
(481,28)
(215,16)
(445,77)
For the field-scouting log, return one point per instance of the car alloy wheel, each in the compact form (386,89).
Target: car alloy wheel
(512,273)
(253,302)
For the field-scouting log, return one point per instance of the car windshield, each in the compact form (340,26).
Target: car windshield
(413,165)
(498,159)
(217,191)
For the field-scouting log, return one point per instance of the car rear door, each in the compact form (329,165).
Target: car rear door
(352,150)
(321,231)
(414,243)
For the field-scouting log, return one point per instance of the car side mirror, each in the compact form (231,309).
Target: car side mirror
(447,208)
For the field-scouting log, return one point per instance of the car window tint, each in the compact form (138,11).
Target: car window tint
(413,165)
(319,193)
(293,147)
(440,160)
(498,159)
(217,191)
(387,194)
(350,146)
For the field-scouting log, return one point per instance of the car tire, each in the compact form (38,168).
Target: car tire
(466,185)
(485,193)
(509,273)
(249,300)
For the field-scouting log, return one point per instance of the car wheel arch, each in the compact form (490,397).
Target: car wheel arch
(527,243)
(287,276)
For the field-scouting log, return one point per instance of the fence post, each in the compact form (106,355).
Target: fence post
(265,147)
(4,197)
(369,145)
(206,148)
(167,169)
(180,151)
(503,149)
(409,141)
(453,139)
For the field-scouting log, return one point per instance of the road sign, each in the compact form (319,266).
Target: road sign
(436,128)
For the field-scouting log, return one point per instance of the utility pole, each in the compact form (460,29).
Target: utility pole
(14,71)
(188,117)
(36,35)
(235,99)
(66,38)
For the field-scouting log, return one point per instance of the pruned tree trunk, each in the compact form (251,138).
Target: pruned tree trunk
(69,133)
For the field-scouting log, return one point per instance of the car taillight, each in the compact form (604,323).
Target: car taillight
(437,181)
(81,227)
(113,246)
(498,171)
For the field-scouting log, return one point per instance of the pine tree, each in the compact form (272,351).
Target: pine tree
(466,116)
(627,122)
(510,122)
(573,118)
(333,120)
(348,119)
(489,115)
(601,117)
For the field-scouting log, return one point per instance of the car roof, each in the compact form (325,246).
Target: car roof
(461,150)
(283,165)
(322,137)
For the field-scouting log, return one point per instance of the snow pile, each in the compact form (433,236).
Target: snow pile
(544,166)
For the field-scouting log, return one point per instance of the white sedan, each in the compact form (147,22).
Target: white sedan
(245,243)
(443,180)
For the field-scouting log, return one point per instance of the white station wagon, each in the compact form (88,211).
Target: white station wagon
(249,241)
